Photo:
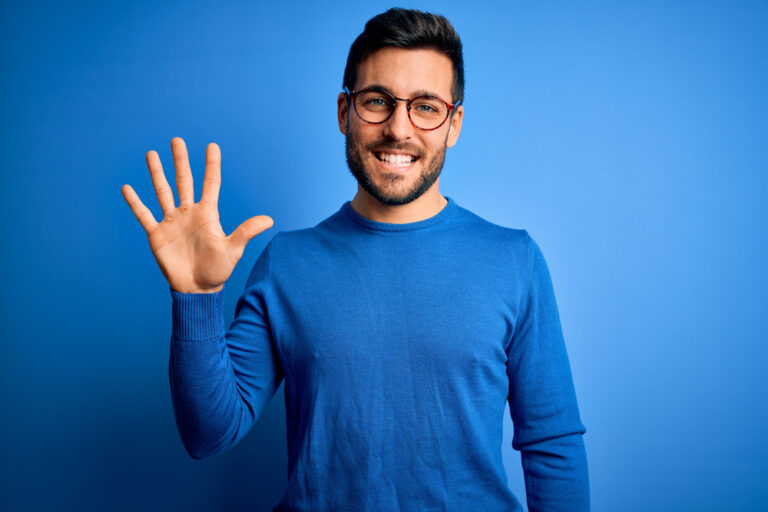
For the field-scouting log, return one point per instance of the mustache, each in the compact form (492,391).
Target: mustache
(382,146)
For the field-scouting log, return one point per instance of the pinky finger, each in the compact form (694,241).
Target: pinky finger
(141,212)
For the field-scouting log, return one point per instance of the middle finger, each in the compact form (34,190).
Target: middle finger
(183,172)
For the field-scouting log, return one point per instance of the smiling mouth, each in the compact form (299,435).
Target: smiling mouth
(395,160)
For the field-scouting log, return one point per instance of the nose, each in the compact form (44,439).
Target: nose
(398,126)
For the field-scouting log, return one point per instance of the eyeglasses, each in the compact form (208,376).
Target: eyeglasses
(375,106)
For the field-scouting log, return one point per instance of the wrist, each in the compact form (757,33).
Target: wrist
(198,290)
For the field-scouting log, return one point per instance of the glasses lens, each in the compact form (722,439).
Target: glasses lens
(373,106)
(428,112)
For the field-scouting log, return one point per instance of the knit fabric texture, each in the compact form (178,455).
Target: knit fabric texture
(399,345)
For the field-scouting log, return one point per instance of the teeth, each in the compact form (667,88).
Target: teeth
(396,160)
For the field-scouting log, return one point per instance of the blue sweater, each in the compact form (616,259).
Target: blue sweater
(399,345)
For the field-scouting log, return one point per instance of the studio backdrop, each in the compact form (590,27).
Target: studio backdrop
(628,138)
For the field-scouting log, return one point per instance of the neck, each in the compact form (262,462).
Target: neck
(427,205)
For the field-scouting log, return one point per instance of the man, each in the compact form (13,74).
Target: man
(401,324)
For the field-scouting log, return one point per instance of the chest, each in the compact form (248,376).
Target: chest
(411,318)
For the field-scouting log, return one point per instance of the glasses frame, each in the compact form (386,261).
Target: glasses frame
(353,95)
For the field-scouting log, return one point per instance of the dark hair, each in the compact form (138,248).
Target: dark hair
(408,29)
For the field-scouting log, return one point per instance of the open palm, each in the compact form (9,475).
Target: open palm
(191,248)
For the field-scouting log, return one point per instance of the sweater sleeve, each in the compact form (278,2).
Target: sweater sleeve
(542,400)
(220,379)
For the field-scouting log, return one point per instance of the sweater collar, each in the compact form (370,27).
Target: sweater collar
(372,225)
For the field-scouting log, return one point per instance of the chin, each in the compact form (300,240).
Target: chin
(393,183)
(394,189)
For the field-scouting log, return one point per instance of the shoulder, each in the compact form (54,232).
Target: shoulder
(297,239)
(491,235)
(290,250)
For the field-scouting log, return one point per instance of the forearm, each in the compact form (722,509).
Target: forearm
(213,405)
(556,475)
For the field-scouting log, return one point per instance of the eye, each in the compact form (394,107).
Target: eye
(379,102)
(374,101)
(426,108)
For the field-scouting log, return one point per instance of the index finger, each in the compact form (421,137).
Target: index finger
(212,178)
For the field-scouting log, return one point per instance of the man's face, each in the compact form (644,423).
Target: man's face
(373,149)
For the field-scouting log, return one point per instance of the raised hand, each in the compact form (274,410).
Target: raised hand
(191,248)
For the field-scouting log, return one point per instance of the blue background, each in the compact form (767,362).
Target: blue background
(629,139)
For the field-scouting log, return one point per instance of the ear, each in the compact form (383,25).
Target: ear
(343,112)
(455,126)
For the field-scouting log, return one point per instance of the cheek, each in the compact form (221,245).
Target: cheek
(365,134)
(436,142)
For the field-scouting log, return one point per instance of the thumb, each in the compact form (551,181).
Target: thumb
(245,232)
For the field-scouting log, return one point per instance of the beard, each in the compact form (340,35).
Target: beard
(386,194)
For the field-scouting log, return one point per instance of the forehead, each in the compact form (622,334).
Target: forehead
(406,71)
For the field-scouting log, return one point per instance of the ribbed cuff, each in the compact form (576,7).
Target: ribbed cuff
(197,316)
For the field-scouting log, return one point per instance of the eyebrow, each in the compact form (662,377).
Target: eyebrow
(382,88)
